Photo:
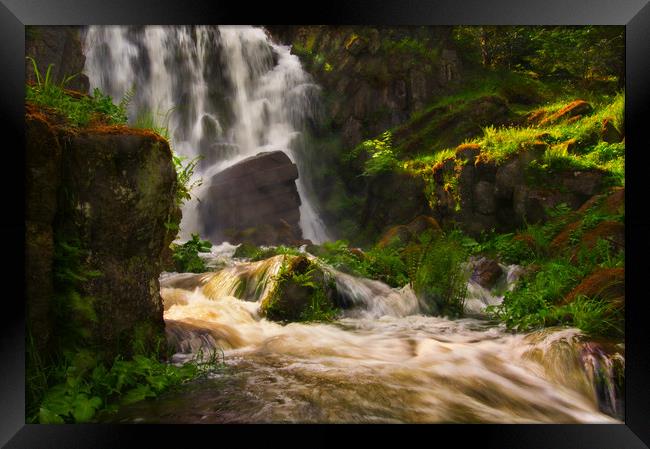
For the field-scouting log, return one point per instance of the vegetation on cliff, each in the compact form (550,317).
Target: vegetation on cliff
(100,344)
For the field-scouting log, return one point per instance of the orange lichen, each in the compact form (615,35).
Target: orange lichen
(575,108)
(562,239)
(615,202)
(612,231)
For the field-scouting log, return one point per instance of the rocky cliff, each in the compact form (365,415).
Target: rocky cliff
(105,195)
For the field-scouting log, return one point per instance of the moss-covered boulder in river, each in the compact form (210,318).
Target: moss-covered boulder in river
(302,292)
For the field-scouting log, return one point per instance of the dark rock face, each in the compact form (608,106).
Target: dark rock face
(255,200)
(112,190)
(393,198)
(60,46)
(502,196)
(377,83)
(404,234)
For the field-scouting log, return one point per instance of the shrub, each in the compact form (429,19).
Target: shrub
(186,256)
(299,293)
(440,277)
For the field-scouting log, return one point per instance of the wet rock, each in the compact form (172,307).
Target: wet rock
(486,272)
(255,200)
(484,198)
(300,284)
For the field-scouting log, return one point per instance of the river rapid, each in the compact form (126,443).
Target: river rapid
(383,361)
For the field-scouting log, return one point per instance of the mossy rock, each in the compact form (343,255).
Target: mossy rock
(301,293)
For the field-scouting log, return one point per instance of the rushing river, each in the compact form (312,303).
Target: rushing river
(384,361)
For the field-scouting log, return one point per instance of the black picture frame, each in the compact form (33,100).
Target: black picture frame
(634,14)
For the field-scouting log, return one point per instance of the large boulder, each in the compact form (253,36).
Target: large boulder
(485,272)
(109,192)
(254,201)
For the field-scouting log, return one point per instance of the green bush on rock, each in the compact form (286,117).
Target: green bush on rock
(300,293)
(186,256)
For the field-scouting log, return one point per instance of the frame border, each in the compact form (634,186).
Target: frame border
(635,14)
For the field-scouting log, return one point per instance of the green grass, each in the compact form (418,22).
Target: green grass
(78,111)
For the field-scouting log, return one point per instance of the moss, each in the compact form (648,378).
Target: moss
(299,293)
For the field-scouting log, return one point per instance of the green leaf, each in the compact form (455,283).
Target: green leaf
(46,416)
(84,408)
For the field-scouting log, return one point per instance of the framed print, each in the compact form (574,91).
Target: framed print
(378,214)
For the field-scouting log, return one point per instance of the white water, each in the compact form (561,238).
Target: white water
(382,361)
(225,92)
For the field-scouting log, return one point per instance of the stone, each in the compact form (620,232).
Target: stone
(586,183)
(60,46)
(110,191)
(507,177)
(254,201)
(573,109)
(288,298)
(484,198)
(609,133)
(486,272)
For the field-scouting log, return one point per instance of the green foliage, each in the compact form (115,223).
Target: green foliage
(382,264)
(186,256)
(440,278)
(87,385)
(78,109)
(184,174)
(255,253)
(534,302)
(157,122)
(382,156)
(309,286)
(593,316)
(563,52)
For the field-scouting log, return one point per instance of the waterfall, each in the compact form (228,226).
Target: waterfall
(224,92)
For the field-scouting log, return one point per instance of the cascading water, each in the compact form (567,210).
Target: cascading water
(383,361)
(226,93)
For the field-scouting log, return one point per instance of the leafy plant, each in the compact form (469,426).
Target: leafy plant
(440,278)
(186,256)
(184,174)
(88,386)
